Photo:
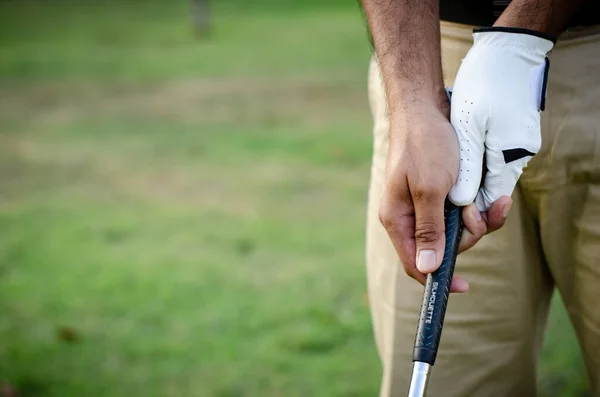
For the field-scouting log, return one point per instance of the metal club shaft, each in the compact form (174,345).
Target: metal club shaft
(419,379)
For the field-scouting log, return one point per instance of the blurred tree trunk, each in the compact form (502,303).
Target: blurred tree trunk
(201,17)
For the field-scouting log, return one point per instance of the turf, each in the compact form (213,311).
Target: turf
(184,216)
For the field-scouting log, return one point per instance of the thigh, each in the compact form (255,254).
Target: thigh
(565,177)
(492,333)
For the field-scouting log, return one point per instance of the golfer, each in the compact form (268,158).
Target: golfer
(518,144)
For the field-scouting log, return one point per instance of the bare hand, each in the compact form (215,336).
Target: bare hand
(422,166)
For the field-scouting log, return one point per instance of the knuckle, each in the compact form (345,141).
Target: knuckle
(390,211)
(427,231)
(478,233)
(427,236)
(426,192)
(386,217)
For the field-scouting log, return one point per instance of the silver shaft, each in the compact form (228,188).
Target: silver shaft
(418,381)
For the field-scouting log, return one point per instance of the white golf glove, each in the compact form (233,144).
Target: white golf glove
(497,97)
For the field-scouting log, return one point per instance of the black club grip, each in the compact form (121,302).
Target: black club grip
(437,290)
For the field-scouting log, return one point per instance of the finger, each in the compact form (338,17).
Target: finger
(475,227)
(471,132)
(397,217)
(496,216)
(479,224)
(429,234)
(459,284)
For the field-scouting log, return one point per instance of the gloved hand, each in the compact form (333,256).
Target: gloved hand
(497,97)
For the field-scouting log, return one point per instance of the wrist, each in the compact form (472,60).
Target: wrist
(544,16)
(409,97)
(422,111)
(540,26)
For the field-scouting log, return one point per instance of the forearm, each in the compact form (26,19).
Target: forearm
(406,37)
(546,16)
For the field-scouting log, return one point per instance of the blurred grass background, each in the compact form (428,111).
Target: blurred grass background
(184,216)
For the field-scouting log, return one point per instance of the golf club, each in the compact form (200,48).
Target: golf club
(435,299)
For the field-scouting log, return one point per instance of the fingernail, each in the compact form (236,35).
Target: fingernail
(426,261)
(476,213)
(506,209)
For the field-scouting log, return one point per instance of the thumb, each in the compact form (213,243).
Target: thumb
(471,134)
(429,230)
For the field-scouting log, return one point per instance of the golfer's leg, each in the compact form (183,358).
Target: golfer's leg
(569,190)
(491,334)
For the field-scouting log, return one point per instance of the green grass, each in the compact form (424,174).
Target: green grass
(185,217)
(151,40)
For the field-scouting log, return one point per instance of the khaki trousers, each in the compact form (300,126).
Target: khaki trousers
(492,334)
